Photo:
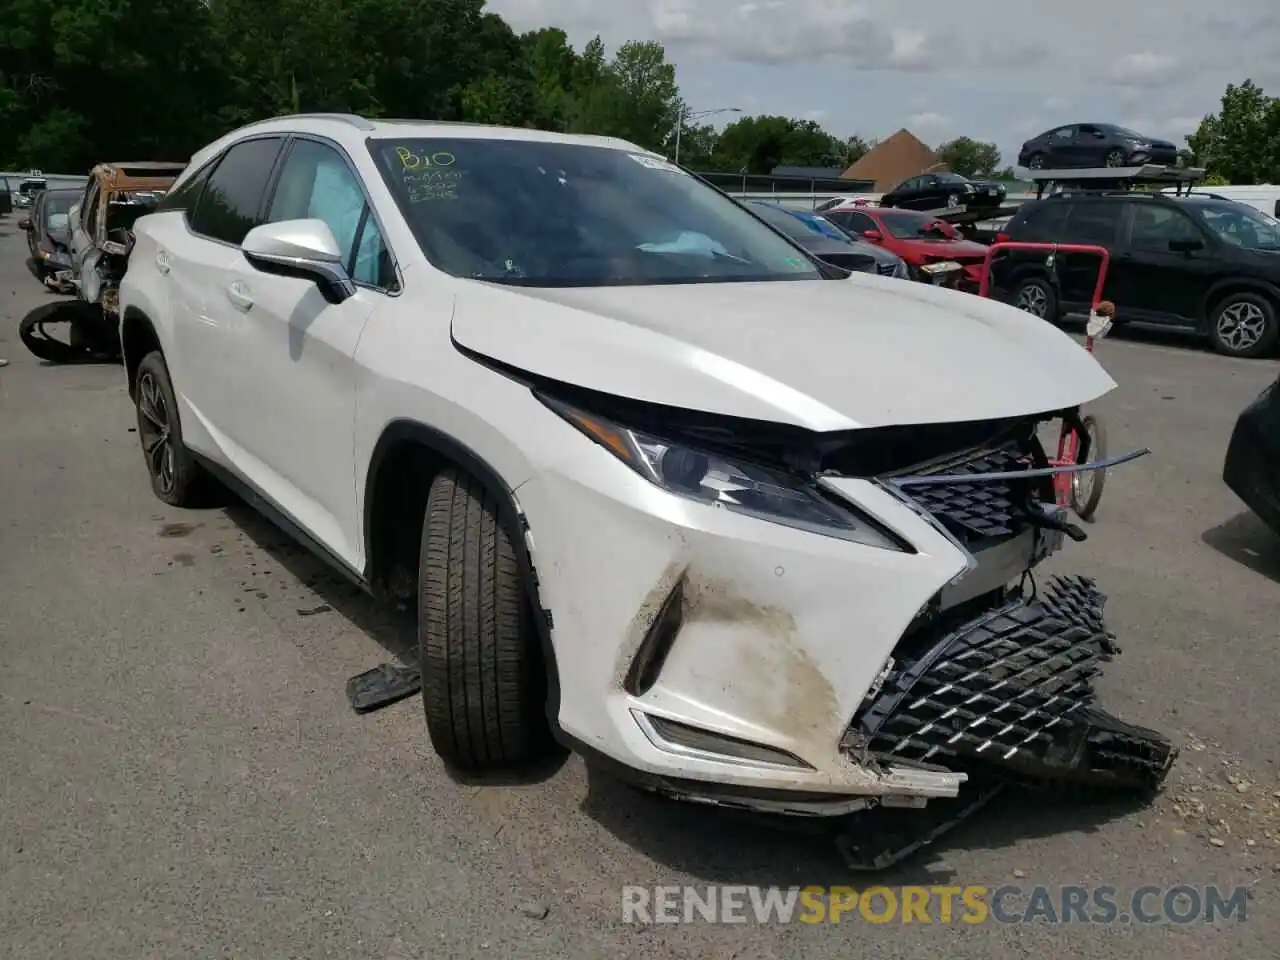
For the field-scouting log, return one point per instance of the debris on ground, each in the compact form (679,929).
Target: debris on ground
(1215,797)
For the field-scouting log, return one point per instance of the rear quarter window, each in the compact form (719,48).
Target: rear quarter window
(1044,221)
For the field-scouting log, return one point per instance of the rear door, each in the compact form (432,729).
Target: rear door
(1094,221)
(1062,148)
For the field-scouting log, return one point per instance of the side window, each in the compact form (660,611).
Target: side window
(910,184)
(316,183)
(186,196)
(1093,222)
(1063,133)
(229,205)
(1039,221)
(1154,227)
(860,223)
(1088,129)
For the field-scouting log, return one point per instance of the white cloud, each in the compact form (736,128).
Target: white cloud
(1144,69)
(929,123)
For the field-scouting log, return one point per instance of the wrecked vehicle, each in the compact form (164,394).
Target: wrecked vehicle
(656,485)
(100,230)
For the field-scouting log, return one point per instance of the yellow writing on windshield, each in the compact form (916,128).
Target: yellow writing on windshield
(411,160)
(431,183)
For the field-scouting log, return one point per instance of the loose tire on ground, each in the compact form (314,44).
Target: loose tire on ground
(483,687)
(176,478)
(1244,324)
(1086,488)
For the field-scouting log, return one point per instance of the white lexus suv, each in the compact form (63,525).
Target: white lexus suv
(660,488)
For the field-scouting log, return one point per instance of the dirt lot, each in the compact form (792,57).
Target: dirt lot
(182,776)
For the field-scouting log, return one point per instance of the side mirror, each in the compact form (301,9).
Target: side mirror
(874,235)
(25,224)
(1185,244)
(300,248)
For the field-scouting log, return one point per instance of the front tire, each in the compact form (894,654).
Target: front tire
(1086,488)
(175,475)
(1116,158)
(1244,325)
(483,687)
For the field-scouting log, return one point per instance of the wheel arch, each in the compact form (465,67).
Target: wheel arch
(407,455)
(138,337)
(1225,287)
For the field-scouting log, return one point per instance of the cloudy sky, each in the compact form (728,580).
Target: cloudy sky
(998,70)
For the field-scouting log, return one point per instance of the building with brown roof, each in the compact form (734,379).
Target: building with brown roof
(894,159)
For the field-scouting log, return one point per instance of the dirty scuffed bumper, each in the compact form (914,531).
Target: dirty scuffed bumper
(804,674)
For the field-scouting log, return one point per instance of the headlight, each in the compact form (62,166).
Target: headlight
(728,484)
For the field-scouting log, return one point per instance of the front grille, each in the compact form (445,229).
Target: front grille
(886,269)
(1013,689)
(979,510)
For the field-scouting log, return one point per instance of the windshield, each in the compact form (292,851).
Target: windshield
(32,186)
(907,226)
(1242,225)
(556,214)
(1121,132)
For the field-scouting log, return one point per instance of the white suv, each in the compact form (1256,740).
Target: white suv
(642,463)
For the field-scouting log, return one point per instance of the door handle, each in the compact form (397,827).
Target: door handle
(239,296)
(162,262)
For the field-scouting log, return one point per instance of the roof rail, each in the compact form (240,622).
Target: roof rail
(1115,178)
(360,123)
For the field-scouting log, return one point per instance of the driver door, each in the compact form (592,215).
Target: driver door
(300,450)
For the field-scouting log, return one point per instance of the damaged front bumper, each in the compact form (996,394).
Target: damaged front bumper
(1011,692)
(729,660)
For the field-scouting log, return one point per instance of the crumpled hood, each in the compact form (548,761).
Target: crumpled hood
(866,352)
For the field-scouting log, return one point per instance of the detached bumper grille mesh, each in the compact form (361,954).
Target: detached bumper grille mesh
(1014,689)
(975,509)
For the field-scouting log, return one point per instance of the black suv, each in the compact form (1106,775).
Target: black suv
(1199,264)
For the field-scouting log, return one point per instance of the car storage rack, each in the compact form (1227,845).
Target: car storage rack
(1114,179)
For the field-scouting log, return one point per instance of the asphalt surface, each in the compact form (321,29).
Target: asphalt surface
(180,775)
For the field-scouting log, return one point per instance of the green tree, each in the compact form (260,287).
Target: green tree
(759,144)
(1241,142)
(969,157)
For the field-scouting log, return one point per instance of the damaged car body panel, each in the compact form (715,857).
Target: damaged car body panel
(762,658)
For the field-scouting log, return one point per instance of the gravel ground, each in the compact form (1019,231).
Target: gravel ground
(182,776)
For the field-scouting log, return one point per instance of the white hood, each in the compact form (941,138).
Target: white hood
(868,352)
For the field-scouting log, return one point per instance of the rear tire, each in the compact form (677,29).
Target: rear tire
(1036,162)
(176,478)
(1036,296)
(483,685)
